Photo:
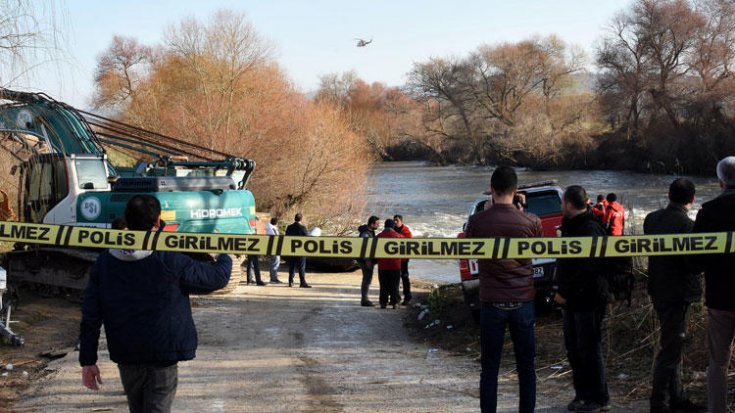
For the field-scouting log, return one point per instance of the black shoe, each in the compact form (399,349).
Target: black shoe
(572,406)
(261,283)
(589,407)
(686,405)
(404,302)
(382,306)
(367,303)
(395,306)
(276,282)
(290,284)
(660,409)
(304,286)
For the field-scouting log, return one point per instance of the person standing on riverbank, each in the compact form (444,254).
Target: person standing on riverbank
(142,298)
(297,229)
(716,216)
(389,270)
(583,293)
(674,284)
(253,263)
(405,232)
(367,265)
(600,207)
(274,261)
(506,294)
(614,219)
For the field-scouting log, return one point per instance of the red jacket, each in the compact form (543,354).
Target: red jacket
(406,233)
(389,263)
(614,218)
(599,209)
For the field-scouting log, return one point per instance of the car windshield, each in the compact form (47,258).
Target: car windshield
(543,203)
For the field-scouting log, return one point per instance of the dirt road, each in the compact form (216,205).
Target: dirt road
(280,349)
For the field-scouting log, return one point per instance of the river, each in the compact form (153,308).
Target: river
(435,201)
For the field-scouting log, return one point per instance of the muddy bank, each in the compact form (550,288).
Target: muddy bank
(50,327)
(629,347)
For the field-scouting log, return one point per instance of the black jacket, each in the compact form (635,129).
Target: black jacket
(581,281)
(672,279)
(717,216)
(142,298)
(297,229)
(365,232)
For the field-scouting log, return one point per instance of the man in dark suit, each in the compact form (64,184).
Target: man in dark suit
(297,229)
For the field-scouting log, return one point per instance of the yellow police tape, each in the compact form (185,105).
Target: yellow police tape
(353,247)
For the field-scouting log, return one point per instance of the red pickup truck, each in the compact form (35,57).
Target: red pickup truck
(542,199)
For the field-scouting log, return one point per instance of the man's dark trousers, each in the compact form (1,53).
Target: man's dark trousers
(521,323)
(583,341)
(253,266)
(295,263)
(149,388)
(367,278)
(389,280)
(406,281)
(673,318)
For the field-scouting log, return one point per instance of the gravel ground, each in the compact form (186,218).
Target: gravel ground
(280,349)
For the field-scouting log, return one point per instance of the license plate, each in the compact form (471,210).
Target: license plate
(538,272)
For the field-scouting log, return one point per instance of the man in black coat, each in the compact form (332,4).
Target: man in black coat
(297,229)
(674,284)
(367,265)
(583,292)
(717,216)
(142,298)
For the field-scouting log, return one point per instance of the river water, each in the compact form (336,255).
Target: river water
(435,201)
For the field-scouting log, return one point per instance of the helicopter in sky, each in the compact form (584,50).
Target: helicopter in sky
(362,42)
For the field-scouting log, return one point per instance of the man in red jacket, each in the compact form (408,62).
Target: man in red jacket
(614,215)
(600,207)
(389,270)
(402,228)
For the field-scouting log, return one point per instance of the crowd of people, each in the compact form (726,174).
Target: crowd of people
(391,271)
(148,343)
(583,292)
(295,264)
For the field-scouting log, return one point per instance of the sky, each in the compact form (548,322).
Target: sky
(318,37)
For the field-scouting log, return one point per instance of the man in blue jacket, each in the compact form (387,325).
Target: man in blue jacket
(142,298)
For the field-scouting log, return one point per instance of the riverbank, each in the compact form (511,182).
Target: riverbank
(629,347)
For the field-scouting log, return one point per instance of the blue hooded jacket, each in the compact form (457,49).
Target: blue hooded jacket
(142,298)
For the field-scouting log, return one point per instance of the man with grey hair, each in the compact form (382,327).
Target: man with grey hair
(716,216)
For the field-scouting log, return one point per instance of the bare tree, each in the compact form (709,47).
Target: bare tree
(443,87)
(623,59)
(215,84)
(120,70)
(29,37)
(334,88)
(219,54)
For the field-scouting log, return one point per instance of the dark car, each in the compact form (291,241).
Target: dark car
(542,199)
